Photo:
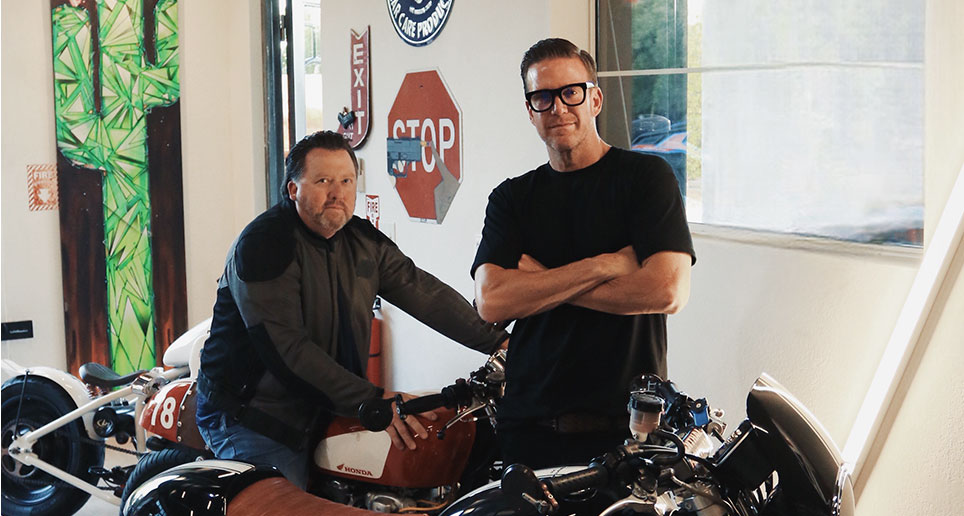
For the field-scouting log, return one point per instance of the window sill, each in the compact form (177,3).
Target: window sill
(906,254)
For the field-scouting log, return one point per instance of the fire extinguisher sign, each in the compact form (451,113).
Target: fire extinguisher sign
(372,209)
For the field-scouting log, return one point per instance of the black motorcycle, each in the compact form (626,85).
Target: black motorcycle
(779,462)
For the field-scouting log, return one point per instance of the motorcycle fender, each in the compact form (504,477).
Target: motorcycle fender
(170,413)
(186,349)
(72,385)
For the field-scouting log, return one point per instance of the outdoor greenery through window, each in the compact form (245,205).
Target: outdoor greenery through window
(306,86)
(775,115)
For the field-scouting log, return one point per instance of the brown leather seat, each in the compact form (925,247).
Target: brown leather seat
(279,497)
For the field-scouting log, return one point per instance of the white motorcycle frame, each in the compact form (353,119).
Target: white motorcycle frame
(182,356)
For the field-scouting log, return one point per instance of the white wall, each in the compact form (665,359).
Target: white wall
(223,159)
(482,72)
(815,317)
(30,282)
(817,320)
(916,465)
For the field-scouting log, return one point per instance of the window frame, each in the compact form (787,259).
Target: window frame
(272,36)
(910,254)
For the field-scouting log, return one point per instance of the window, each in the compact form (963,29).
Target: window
(293,82)
(775,117)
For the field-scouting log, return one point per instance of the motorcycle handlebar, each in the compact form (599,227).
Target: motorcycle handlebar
(376,415)
(593,476)
(422,404)
(519,482)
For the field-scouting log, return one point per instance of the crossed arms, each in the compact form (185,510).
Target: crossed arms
(610,282)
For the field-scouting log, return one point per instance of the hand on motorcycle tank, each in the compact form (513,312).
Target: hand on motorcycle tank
(401,430)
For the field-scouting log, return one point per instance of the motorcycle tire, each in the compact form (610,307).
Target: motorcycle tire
(26,489)
(155,463)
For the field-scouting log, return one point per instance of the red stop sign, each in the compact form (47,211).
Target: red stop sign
(424,109)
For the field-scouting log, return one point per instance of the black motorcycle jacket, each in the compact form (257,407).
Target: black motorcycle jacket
(292,321)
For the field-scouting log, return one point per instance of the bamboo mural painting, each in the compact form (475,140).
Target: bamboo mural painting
(116,98)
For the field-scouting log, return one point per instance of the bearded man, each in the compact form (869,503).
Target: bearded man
(292,320)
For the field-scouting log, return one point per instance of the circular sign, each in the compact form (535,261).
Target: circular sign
(425,146)
(418,22)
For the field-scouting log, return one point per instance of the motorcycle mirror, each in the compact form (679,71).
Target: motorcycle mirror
(376,415)
(520,483)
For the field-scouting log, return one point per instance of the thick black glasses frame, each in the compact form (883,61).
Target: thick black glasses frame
(558,93)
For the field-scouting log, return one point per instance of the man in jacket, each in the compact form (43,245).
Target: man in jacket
(292,320)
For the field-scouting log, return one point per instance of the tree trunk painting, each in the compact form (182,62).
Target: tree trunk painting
(116,100)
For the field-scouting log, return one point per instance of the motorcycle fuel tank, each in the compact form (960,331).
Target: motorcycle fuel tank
(350,451)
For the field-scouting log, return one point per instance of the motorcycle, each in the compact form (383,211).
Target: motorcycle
(354,462)
(779,461)
(55,427)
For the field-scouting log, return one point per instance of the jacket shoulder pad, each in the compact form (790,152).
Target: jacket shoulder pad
(265,248)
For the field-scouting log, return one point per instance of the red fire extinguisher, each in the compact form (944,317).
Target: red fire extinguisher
(374,371)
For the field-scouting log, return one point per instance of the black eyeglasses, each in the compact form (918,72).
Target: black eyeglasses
(570,95)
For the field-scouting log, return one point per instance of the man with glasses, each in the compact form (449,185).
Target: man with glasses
(588,253)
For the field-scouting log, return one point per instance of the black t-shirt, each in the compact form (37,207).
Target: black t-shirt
(572,359)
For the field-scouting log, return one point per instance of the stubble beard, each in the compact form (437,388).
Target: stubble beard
(332,219)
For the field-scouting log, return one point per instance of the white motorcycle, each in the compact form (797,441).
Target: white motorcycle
(56,426)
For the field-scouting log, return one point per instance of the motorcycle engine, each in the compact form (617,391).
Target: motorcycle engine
(684,488)
(387,500)
(683,502)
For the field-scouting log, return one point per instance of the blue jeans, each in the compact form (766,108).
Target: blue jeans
(230,440)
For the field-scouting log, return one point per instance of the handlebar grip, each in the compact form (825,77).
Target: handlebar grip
(422,404)
(593,476)
(377,414)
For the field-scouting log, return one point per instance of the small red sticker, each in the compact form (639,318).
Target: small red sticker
(372,209)
(42,187)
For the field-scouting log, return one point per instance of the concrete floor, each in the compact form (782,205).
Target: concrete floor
(98,507)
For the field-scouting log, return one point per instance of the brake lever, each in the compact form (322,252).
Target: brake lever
(476,405)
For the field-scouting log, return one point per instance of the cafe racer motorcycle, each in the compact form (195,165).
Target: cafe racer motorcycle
(354,463)
(779,461)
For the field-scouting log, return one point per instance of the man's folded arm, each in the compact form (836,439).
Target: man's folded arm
(503,294)
(660,285)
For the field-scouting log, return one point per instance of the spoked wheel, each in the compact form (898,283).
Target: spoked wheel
(28,404)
